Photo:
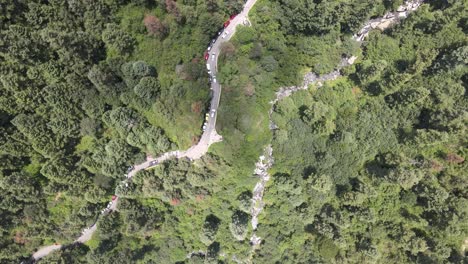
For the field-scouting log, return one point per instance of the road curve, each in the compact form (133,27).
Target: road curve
(208,137)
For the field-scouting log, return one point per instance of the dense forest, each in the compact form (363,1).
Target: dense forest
(368,168)
(88,88)
(371,168)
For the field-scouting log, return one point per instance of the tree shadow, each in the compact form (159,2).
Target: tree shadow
(374,88)
(308,171)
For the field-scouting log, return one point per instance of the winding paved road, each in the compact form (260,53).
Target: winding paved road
(209,136)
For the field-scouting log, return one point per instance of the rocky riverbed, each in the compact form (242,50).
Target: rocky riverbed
(266,160)
(388,19)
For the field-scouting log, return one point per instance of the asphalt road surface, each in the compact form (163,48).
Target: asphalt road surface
(209,136)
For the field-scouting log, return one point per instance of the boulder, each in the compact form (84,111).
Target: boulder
(352,60)
(382,26)
(374,24)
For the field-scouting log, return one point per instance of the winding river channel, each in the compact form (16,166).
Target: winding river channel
(266,160)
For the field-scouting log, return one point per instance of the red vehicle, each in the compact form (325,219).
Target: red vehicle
(207,56)
(226,24)
(114,197)
(232,17)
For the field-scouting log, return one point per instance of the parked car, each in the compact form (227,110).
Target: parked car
(226,24)
(213,112)
(153,162)
(232,16)
(130,169)
(209,48)
(214,79)
(204,127)
(207,55)
(114,197)
(213,56)
(208,67)
(225,34)
(213,41)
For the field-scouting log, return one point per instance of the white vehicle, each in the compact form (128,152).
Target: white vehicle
(208,67)
(213,112)
(213,56)
(225,34)
(214,79)
(209,48)
(204,127)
